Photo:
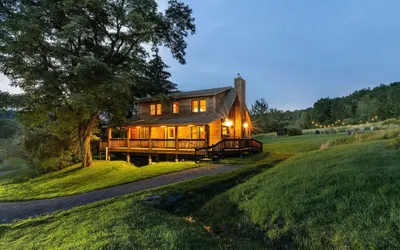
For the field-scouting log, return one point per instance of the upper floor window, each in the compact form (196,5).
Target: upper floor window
(199,106)
(175,107)
(155,109)
(159,109)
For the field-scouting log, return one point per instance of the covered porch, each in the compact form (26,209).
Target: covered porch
(157,139)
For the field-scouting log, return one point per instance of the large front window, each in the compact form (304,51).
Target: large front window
(199,106)
(197,132)
(143,133)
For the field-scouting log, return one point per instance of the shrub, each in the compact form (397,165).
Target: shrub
(294,130)
(392,121)
(393,143)
(349,121)
(8,128)
(48,152)
(367,136)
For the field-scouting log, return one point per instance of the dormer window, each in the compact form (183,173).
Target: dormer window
(175,107)
(156,109)
(199,106)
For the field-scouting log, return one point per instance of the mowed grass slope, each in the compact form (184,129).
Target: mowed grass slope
(125,223)
(73,180)
(345,197)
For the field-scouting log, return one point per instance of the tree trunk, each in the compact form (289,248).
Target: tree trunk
(85,136)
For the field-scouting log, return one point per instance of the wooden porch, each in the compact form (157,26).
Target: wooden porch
(163,146)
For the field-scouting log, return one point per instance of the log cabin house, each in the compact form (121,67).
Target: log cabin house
(200,123)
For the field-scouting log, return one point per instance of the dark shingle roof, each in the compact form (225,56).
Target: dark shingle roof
(177,120)
(198,119)
(192,93)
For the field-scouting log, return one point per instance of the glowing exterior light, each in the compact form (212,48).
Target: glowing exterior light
(312,122)
(228,123)
(245,125)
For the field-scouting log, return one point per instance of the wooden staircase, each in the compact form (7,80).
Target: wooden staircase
(222,148)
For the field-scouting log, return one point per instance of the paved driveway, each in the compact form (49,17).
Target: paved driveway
(10,211)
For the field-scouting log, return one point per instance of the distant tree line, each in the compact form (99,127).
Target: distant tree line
(361,106)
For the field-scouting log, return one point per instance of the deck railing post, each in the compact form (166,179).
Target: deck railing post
(150,146)
(176,138)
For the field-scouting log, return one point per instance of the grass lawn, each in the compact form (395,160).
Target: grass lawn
(344,197)
(74,179)
(124,223)
(296,144)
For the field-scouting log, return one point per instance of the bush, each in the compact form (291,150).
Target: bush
(392,121)
(393,143)
(349,121)
(367,136)
(8,128)
(48,152)
(294,130)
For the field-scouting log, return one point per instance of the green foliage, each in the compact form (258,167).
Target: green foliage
(293,130)
(83,59)
(49,151)
(392,121)
(366,137)
(379,103)
(8,128)
(73,179)
(393,143)
(260,107)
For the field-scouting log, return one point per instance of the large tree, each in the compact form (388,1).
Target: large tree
(76,59)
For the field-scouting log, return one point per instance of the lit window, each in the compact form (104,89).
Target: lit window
(143,133)
(225,130)
(175,107)
(195,106)
(197,132)
(203,106)
(152,109)
(159,109)
(199,106)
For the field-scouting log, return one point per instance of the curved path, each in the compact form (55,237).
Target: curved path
(10,211)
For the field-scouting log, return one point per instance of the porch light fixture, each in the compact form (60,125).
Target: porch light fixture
(245,125)
(228,123)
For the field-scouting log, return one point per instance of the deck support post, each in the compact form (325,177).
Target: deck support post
(157,157)
(128,142)
(150,161)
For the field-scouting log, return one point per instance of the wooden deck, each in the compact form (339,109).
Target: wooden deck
(195,147)
(153,146)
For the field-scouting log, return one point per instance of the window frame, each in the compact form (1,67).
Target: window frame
(196,130)
(156,105)
(177,107)
(198,106)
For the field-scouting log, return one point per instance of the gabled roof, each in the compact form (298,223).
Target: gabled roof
(188,94)
(200,119)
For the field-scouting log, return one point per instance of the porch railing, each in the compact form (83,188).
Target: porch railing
(184,144)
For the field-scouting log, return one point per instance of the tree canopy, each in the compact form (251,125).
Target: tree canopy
(381,103)
(77,59)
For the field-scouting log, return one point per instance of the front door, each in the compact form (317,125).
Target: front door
(171,137)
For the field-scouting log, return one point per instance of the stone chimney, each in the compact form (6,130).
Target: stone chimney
(240,87)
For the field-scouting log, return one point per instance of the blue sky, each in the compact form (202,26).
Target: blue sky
(290,52)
